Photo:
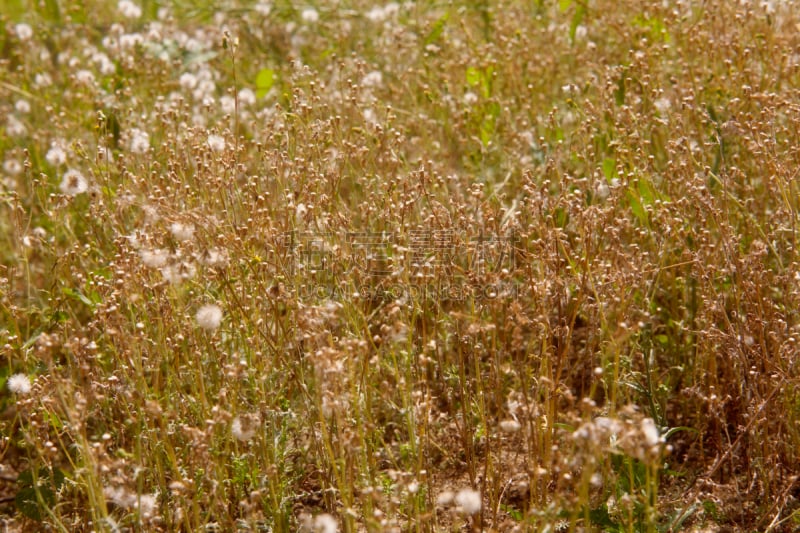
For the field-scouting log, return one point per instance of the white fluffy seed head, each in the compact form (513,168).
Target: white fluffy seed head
(154,258)
(19,384)
(139,141)
(445,498)
(216,142)
(325,523)
(510,426)
(650,432)
(73,183)
(244,428)
(56,155)
(468,501)
(209,317)
(182,232)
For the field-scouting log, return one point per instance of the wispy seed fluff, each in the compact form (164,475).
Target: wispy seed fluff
(310,15)
(140,141)
(244,428)
(56,155)
(445,498)
(73,183)
(209,317)
(129,9)
(154,258)
(510,426)
(468,501)
(325,523)
(216,142)
(650,431)
(24,31)
(19,384)
(182,232)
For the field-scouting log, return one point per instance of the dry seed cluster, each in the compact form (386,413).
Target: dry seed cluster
(356,266)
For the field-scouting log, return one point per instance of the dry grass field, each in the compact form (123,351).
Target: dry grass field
(409,266)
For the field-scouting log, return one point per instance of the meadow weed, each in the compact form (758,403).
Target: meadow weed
(399,266)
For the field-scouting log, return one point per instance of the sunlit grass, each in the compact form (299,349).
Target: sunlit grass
(399,267)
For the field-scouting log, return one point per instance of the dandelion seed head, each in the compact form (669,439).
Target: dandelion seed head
(468,501)
(216,142)
(227,104)
(263,7)
(22,106)
(147,506)
(310,15)
(24,31)
(247,97)
(373,79)
(154,258)
(662,105)
(73,183)
(139,141)
(84,77)
(56,155)
(188,80)
(602,191)
(370,117)
(12,167)
(445,498)
(182,232)
(42,79)
(15,128)
(325,523)
(178,272)
(243,428)
(214,257)
(129,9)
(510,426)
(19,384)
(650,432)
(381,13)
(209,317)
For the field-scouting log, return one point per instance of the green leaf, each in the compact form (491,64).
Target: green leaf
(655,26)
(33,497)
(635,386)
(25,478)
(671,431)
(681,517)
(561,217)
(76,295)
(577,18)
(265,79)
(619,93)
(609,168)
(489,122)
(646,191)
(28,504)
(636,206)
(486,82)
(601,517)
(474,76)
(487,129)
(53,12)
(437,29)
